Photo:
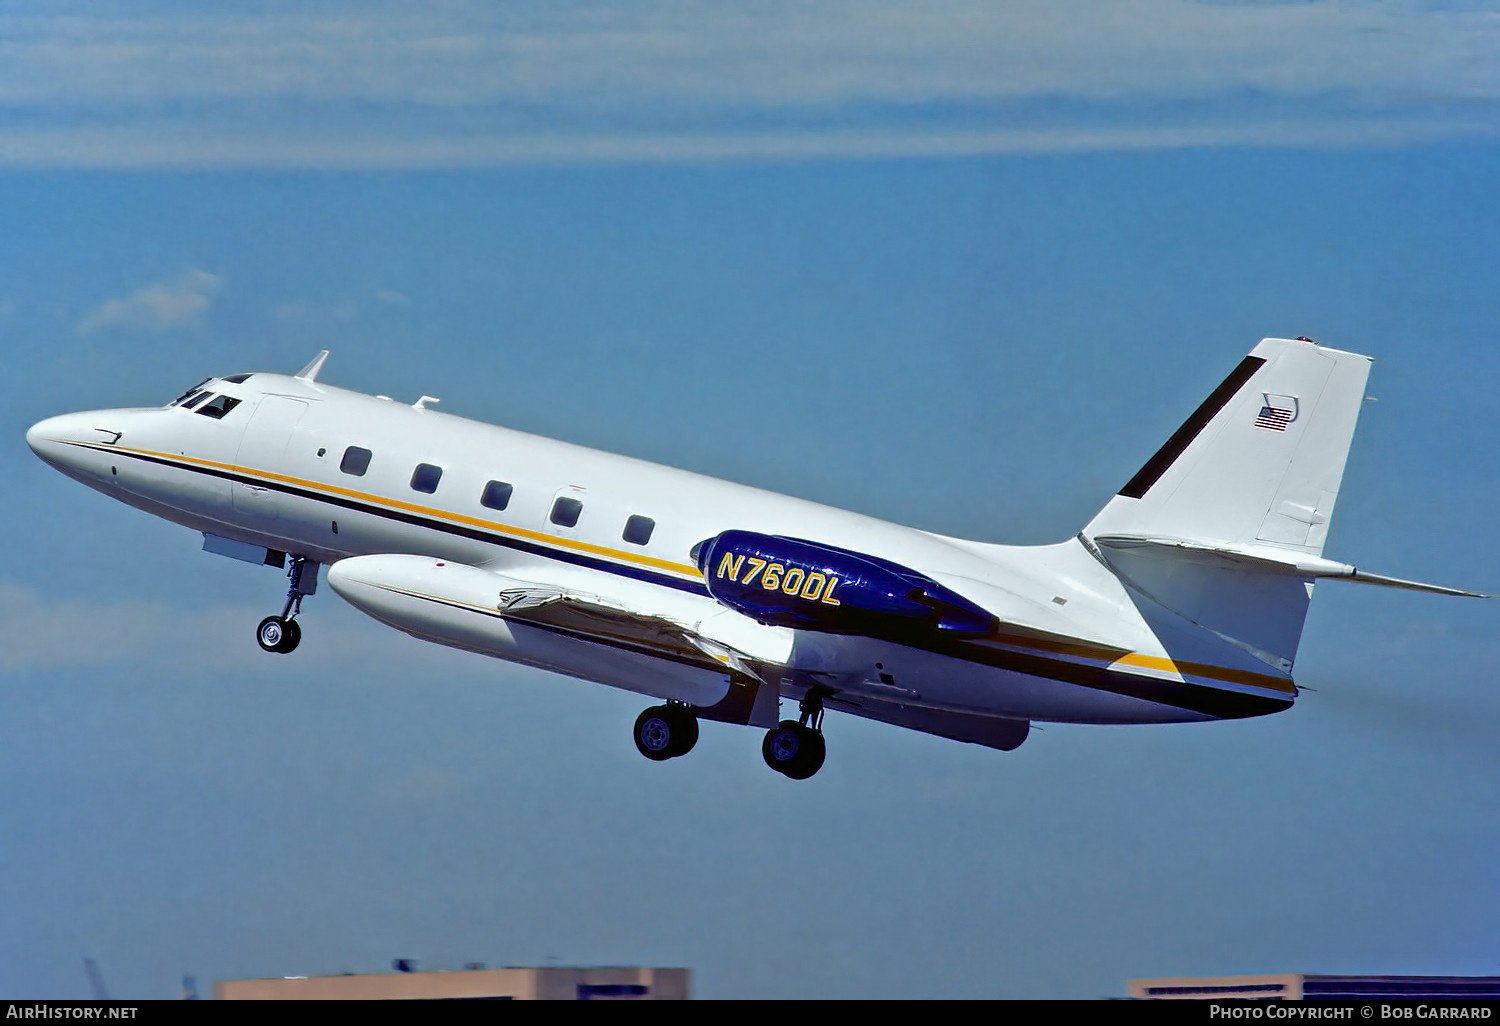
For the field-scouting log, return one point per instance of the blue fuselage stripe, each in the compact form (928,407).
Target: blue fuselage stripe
(1218,702)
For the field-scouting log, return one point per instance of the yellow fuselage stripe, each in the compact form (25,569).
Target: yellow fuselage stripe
(441,514)
(1112,657)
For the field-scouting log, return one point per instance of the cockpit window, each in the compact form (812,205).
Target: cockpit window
(194,400)
(220,405)
(237,379)
(190,392)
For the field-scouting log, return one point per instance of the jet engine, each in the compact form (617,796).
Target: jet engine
(792,582)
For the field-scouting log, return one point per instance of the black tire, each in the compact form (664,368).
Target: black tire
(793,750)
(271,634)
(656,730)
(684,730)
(810,758)
(783,745)
(291,636)
(276,634)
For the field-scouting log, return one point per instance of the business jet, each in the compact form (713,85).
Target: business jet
(1182,600)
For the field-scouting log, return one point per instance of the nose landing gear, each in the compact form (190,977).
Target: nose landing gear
(281,633)
(278,634)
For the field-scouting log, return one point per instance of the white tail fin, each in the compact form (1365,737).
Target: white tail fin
(1258,465)
(1224,527)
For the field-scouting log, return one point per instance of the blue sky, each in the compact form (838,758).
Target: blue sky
(1007,250)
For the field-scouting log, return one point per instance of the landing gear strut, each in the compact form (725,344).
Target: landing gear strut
(795,748)
(281,633)
(666,731)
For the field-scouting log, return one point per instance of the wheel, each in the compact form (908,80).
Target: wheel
(291,636)
(781,745)
(271,633)
(655,731)
(810,759)
(276,634)
(793,750)
(684,729)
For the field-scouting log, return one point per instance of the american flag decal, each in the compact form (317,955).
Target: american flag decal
(1277,412)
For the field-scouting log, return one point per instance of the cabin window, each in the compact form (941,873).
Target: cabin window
(496,495)
(565,512)
(638,530)
(220,405)
(426,477)
(356,461)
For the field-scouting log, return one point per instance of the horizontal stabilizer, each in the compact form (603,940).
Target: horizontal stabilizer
(1254,597)
(1270,560)
(1364,577)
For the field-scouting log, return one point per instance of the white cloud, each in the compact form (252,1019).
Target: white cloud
(473,82)
(770,52)
(703,146)
(181,302)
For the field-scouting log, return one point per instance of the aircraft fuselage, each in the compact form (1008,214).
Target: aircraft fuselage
(298,467)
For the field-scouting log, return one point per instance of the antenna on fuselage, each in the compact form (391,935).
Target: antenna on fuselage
(310,372)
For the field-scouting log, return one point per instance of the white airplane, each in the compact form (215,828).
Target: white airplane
(1183,599)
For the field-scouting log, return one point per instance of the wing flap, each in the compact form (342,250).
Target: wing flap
(597,617)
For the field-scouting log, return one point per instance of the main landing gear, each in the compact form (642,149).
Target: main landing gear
(666,731)
(281,633)
(794,748)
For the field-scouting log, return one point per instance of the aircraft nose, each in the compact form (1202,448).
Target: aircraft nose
(50,438)
(46,437)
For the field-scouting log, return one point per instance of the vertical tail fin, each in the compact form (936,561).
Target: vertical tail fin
(1217,528)
(1260,462)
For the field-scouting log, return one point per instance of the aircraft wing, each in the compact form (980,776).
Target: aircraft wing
(601,619)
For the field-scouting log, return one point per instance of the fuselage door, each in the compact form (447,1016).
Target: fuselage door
(263,450)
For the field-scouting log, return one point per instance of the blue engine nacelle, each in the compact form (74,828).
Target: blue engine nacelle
(791,582)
